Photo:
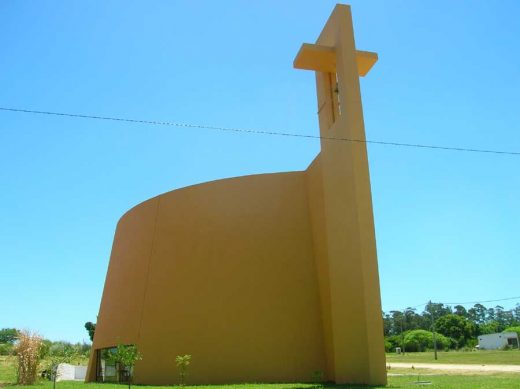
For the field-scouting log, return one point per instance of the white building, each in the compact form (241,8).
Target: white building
(498,341)
(68,372)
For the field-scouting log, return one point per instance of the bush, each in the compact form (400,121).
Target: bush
(391,342)
(61,348)
(513,329)
(27,351)
(422,340)
(472,343)
(490,328)
(6,348)
(183,362)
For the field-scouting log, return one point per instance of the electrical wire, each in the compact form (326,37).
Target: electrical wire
(460,303)
(261,132)
(485,301)
(288,134)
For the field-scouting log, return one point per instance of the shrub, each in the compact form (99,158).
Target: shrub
(182,363)
(61,348)
(513,329)
(490,328)
(27,351)
(6,348)
(394,341)
(421,340)
(45,348)
(471,343)
(388,346)
(84,349)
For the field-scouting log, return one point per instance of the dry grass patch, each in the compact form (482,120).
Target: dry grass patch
(27,350)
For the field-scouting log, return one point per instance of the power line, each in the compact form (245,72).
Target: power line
(461,303)
(485,301)
(261,132)
(408,308)
(420,305)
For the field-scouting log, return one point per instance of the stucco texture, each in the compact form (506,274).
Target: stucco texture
(223,271)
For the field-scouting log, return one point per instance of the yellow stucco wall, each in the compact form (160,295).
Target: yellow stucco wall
(264,278)
(224,271)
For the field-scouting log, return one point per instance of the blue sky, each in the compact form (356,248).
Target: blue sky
(447,223)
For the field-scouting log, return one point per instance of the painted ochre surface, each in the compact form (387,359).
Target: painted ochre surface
(264,278)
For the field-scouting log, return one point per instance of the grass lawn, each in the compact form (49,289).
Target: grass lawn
(482,357)
(462,382)
(407,380)
(7,370)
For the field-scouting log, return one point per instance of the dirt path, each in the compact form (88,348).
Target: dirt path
(457,367)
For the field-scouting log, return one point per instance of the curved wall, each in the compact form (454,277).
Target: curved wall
(260,278)
(223,271)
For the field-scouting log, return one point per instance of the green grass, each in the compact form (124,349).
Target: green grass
(482,357)
(484,381)
(461,382)
(7,370)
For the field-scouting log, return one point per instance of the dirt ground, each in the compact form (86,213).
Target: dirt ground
(459,368)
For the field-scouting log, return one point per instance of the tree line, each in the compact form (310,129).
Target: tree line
(455,327)
(9,336)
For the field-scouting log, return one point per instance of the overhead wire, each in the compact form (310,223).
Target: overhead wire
(459,303)
(261,132)
(484,301)
(277,133)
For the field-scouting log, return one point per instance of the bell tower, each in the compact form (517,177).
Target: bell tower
(349,290)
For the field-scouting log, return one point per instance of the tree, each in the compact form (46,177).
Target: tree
(460,311)
(505,318)
(491,327)
(456,327)
(516,313)
(182,363)
(125,357)
(475,321)
(387,324)
(91,329)
(436,309)
(477,314)
(398,326)
(62,348)
(490,316)
(8,335)
(65,355)
(413,320)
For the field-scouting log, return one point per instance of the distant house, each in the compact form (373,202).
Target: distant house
(67,372)
(498,341)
